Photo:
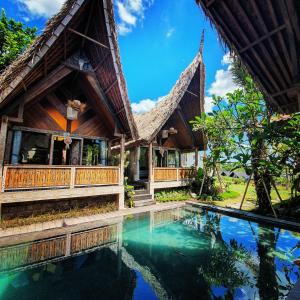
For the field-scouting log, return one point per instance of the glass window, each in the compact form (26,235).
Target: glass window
(31,148)
(94,152)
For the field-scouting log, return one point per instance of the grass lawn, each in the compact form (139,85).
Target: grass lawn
(250,201)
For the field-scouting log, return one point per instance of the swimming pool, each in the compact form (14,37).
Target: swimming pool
(182,253)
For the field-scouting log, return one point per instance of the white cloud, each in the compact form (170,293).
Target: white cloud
(208,105)
(130,13)
(42,8)
(170,32)
(125,14)
(145,105)
(222,84)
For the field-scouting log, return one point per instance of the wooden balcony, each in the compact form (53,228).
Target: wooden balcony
(173,174)
(18,178)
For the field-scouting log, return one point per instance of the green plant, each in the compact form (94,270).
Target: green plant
(14,38)
(129,193)
(172,195)
(229,194)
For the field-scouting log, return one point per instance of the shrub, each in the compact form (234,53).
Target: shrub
(172,195)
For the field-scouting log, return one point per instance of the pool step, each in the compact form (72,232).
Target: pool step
(142,198)
(140,203)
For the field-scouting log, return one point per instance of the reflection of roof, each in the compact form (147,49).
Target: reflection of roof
(150,123)
(60,39)
(266,36)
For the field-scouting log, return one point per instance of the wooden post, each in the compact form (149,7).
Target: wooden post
(68,244)
(277,192)
(150,167)
(137,153)
(122,159)
(270,201)
(3,135)
(150,162)
(73,174)
(245,192)
(196,158)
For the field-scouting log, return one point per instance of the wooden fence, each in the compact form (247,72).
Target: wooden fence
(41,177)
(173,174)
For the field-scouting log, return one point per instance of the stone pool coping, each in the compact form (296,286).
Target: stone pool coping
(80,221)
(248,215)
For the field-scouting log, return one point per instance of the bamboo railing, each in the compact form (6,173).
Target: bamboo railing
(49,177)
(173,174)
(30,254)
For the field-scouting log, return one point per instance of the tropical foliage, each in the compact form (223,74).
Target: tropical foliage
(242,130)
(14,38)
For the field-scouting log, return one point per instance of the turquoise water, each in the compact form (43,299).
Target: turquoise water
(184,253)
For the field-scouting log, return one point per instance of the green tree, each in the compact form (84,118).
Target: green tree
(241,130)
(14,38)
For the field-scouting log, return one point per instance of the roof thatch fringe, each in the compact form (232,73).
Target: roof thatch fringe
(150,123)
(15,68)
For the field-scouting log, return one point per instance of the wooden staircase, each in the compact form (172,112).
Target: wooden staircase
(142,197)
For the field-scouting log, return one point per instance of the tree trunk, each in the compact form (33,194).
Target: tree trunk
(266,282)
(258,153)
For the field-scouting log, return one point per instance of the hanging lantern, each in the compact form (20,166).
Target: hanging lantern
(164,134)
(161,151)
(172,130)
(73,108)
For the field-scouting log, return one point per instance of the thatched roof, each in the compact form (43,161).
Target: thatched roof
(188,92)
(57,42)
(266,37)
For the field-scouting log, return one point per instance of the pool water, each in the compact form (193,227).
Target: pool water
(182,253)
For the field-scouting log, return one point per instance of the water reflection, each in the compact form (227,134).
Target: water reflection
(182,253)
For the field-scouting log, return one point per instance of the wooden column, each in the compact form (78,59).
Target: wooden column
(150,166)
(122,159)
(137,163)
(3,135)
(150,162)
(196,158)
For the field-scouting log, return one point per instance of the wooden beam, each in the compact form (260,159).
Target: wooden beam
(288,90)
(88,22)
(111,86)
(186,125)
(268,63)
(93,82)
(276,56)
(226,33)
(264,37)
(291,40)
(43,85)
(102,61)
(88,38)
(192,93)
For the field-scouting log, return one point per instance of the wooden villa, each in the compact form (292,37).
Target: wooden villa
(266,37)
(63,105)
(156,159)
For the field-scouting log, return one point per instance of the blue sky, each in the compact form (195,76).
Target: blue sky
(158,39)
